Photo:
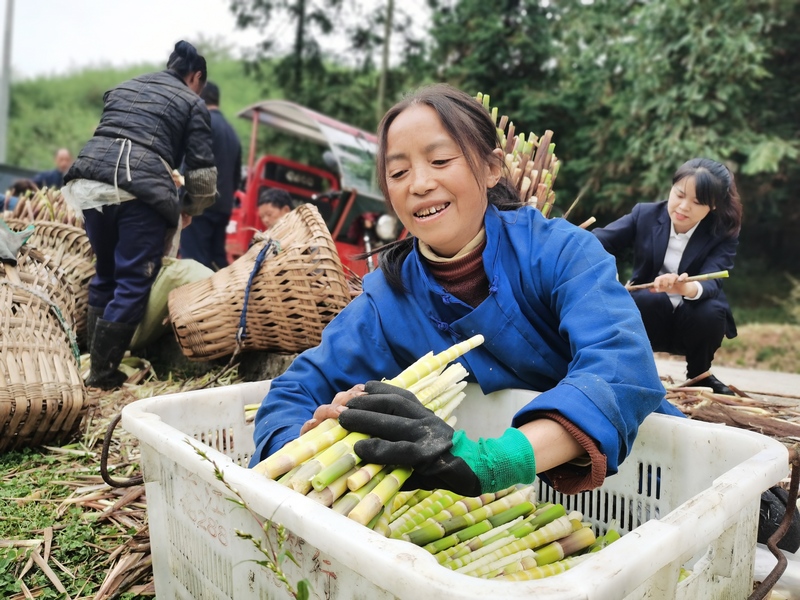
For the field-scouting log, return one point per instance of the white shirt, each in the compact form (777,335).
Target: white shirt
(672,260)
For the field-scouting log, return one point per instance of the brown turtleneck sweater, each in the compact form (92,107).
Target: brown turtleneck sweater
(463,276)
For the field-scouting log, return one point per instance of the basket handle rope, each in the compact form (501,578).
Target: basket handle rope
(241,333)
(115,483)
(73,342)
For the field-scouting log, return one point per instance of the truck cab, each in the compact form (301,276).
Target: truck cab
(345,193)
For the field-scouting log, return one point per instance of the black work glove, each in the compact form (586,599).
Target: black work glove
(406,433)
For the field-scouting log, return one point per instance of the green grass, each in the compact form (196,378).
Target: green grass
(52,112)
(30,497)
(759,294)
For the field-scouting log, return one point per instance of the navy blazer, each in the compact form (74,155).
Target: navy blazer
(646,229)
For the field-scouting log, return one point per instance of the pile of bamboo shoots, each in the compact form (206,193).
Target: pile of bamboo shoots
(531,162)
(503,534)
(323,459)
(48,204)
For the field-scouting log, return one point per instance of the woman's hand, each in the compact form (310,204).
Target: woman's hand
(177,178)
(334,409)
(407,433)
(671,283)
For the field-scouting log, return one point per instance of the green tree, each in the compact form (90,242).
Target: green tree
(311,19)
(654,83)
(499,48)
(345,86)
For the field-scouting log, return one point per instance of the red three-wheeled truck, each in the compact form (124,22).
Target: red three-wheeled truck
(345,193)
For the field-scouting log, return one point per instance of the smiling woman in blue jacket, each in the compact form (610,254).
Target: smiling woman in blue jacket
(696,231)
(543,293)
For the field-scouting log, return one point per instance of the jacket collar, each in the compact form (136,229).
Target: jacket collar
(701,238)
(492,224)
(176,76)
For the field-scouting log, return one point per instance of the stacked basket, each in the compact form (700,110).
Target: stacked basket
(68,247)
(41,391)
(60,234)
(278,296)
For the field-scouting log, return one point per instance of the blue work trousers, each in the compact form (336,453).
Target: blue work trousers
(128,242)
(204,240)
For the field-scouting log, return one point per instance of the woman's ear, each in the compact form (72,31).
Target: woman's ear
(195,82)
(495,168)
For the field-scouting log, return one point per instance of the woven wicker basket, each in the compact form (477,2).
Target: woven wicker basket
(40,272)
(293,295)
(69,247)
(41,392)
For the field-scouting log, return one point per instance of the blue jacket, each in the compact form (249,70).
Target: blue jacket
(646,229)
(556,320)
(51,179)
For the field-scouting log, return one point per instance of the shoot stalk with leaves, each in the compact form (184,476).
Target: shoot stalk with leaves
(274,555)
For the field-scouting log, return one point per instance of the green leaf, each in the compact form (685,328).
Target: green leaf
(767,156)
(287,554)
(303,589)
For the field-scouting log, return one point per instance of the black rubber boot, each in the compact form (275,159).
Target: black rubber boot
(93,315)
(774,503)
(110,342)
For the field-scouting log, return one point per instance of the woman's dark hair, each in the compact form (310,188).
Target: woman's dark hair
(472,128)
(275,196)
(185,60)
(22,186)
(716,188)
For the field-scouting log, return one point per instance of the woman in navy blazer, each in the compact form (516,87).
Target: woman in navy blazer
(695,231)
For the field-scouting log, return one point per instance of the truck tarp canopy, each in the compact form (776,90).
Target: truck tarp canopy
(353,149)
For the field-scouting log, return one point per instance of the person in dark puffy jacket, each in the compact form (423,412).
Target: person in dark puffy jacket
(126,183)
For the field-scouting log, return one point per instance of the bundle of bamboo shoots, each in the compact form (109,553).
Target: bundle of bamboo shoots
(323,459)
(503,534)
(48,204)
(531,161)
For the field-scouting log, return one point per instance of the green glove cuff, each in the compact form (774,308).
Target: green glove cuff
(497,462)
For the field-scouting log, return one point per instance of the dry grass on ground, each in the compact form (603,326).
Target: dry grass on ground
(770,347)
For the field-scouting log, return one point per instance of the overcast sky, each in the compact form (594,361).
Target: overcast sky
(57,36)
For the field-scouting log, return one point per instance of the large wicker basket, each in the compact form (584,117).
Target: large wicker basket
(41,392)
(68,246)
(291,297)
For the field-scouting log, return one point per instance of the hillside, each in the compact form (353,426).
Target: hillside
(54,112)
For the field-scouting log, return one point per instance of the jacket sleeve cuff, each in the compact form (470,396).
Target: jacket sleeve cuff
(699,292)
(572,478)
(201,189)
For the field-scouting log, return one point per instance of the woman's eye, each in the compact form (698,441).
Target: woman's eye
(441,161)
(396,174)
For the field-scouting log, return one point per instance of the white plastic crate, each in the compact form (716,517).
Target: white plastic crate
(686,496)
